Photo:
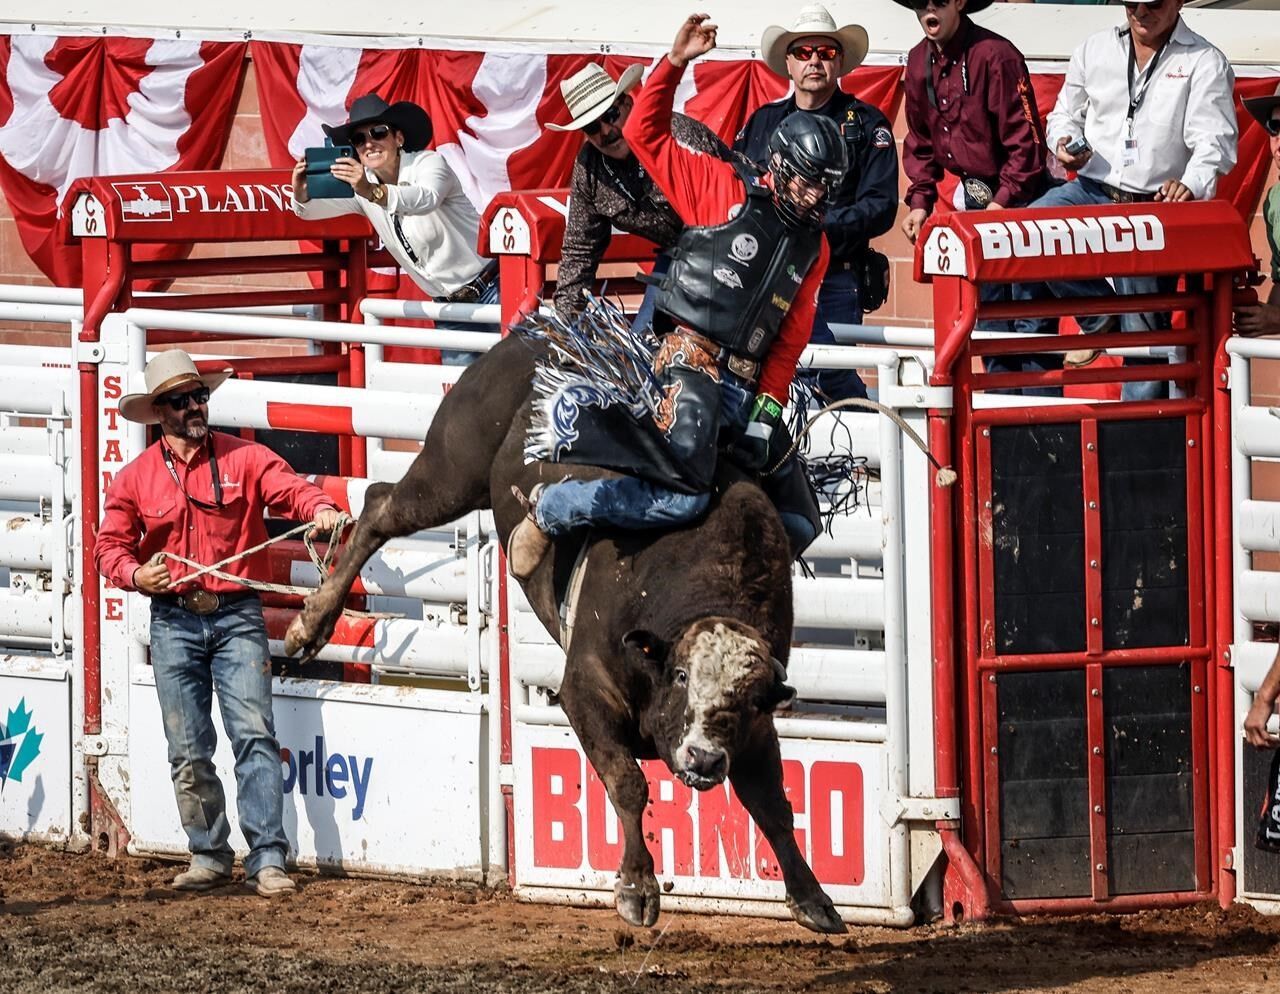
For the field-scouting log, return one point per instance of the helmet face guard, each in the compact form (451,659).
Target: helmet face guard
(807,147)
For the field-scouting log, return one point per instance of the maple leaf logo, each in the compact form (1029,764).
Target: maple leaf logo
(19,744)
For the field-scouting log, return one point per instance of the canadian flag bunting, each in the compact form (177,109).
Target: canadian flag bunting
(81,106)
(490,109)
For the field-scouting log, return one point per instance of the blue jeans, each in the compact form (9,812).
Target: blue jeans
(643,320)
(461,357)
(191,657)
(838,303)
(632,503)
(1084,192)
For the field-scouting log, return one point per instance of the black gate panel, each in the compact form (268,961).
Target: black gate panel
(1150,817)
(1142,467)
(1261,868)
(1037,539)
(1044,784)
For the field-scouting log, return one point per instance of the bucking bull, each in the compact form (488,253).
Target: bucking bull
(684,655)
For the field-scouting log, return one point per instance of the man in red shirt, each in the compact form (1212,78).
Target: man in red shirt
(741,291)
(201,496)
(971,112)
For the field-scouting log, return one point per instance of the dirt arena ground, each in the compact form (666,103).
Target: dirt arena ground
(83,923)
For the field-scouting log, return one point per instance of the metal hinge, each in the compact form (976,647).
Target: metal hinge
(899,809)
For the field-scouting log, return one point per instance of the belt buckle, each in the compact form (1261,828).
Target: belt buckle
(468,293)
(740,366)
(201,602)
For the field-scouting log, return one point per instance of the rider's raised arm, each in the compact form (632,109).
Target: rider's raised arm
(699,186)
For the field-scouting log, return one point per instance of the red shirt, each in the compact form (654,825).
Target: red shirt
(145,512)
(984,123)
(703,190)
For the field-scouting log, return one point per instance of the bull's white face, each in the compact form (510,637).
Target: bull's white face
(715,682)
(723,664)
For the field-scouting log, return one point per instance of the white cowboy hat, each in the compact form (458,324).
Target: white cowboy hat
(591,91)
(814,20)
(166,372)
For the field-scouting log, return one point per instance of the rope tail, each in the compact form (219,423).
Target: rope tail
(945,475)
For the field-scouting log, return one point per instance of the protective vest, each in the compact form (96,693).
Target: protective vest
(735,282)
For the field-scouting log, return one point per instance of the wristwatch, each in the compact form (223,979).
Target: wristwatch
(378,194)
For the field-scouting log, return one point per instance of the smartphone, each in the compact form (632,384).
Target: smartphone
(322,184)
(1077,146)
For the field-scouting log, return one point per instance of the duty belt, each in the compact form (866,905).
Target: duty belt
(1119,196)
(469,293)
(205,602)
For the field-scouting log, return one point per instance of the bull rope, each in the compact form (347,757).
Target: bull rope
(945,475)
(320,562)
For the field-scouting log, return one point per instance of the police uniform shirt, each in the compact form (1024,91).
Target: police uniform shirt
(865,204)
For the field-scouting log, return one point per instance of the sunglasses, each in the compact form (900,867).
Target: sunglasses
(608,117)
(1152,5)
(919,6)
(803,53)
(378,133)
(181,401)
(1272,126)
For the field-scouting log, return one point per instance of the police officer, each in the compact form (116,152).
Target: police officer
(814,54)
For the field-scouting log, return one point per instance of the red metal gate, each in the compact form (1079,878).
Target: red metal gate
(1082,569)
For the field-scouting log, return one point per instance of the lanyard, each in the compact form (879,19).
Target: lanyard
(1136,97)
(404,242)
(213,473)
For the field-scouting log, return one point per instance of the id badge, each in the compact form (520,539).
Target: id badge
(1130,157)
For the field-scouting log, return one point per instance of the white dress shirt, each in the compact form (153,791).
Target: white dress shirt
(436,218)
(1185,127)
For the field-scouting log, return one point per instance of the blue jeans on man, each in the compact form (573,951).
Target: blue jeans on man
(192,656)
(1084,192)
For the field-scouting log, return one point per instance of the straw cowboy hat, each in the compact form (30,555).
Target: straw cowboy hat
(814,20)
(591,91)
(1261,107)
(166,372)
(405,115)
(970,7)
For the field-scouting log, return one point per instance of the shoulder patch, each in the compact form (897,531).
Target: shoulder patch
(881,138)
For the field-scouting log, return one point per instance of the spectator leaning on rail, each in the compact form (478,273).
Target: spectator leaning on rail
(971,112)
(413,200)
(201,496)
(742,292)
(1264,319)
(1155,102)
(814,54)
(609,188)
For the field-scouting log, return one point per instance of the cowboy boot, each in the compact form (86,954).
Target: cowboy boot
(528,543)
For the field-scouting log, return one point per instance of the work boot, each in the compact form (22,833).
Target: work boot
(528,543)
(271,881)
(1083,357)
(201,878)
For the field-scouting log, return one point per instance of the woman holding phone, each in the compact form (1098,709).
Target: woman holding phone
(413,200)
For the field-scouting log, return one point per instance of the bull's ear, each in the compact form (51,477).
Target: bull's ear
(780,695)
(644,647)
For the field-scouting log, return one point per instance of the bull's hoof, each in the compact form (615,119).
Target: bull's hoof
(817,914)
(302,638)
(638,904)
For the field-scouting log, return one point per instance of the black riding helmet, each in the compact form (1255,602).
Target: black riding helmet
(809,146)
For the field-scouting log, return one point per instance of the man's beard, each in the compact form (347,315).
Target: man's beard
(192,429)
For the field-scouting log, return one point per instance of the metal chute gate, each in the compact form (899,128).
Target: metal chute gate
(1082,584)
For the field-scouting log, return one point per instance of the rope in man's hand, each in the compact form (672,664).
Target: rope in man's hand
(321,562)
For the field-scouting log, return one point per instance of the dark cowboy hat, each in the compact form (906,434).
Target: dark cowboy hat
(1261,107)
(404,115)
(970,7)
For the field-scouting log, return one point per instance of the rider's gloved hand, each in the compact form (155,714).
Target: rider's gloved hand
(751,449)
